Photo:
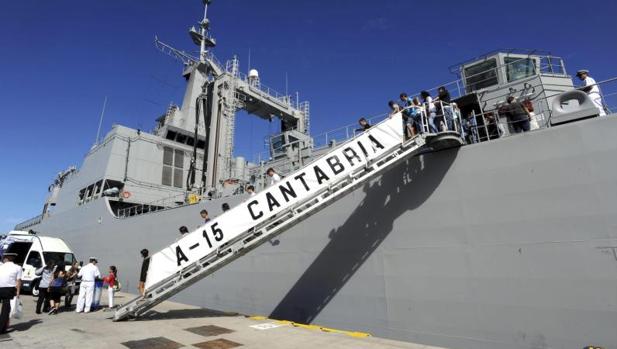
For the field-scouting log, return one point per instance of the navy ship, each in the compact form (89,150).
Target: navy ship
(508,241)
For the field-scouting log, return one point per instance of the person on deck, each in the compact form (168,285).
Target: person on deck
(445,107)
(274,177)
(204,216)
(183,230)
(430,109)
(89,274)
(518,115)
(10,286)
(591,88)
(251,190)
(364,125)
(414,122)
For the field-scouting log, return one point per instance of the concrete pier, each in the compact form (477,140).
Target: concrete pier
(172,325)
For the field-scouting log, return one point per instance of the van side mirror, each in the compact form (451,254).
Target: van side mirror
(81,263)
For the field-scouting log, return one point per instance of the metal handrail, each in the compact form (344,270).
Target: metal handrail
(157,205)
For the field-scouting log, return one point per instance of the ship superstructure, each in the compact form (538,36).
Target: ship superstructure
(506,242)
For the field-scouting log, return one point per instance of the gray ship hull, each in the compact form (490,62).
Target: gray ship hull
(505,244)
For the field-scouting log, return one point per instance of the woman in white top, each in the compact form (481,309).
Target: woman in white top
(430,108)
(274,177)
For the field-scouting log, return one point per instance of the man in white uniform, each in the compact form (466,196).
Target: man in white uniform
(10,284)
(593,91)
(88,275)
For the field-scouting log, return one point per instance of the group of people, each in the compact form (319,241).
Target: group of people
(421,113)
(425,113)
(56,281)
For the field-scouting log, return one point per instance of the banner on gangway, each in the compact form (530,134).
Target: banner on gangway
(292,189)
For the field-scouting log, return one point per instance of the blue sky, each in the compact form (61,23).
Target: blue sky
(59,59)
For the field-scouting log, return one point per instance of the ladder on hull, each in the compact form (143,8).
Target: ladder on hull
(269,228)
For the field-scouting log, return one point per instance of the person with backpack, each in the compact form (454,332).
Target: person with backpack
(56,290)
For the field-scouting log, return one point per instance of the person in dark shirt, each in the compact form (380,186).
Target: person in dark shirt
(364,125)
(225,207)
(56,290)
(518,115)
(144,271)
(443,95)
(183,230)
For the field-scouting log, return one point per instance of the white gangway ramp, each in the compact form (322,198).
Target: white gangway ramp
(271,212)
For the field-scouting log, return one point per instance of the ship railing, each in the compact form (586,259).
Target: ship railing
(492,124)
(326,139)
(166,203)
(215,60)
(286,100)
(30,222)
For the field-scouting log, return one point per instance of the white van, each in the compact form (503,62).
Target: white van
(33,252)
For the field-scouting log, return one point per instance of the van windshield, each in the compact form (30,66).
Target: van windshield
(65,258)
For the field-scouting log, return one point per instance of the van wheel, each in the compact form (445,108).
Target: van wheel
(35,289)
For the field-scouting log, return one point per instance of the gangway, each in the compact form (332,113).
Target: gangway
(277,208)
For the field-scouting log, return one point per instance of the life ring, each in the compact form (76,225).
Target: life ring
(126,194)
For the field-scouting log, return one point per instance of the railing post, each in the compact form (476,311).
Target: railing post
(458,88)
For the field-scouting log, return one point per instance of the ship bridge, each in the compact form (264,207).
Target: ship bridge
(206,119)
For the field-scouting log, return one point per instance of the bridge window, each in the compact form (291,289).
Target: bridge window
(173,163)
(519,68)
(481,75)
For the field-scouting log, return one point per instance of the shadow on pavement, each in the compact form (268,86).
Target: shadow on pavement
(24,326)
(183,314)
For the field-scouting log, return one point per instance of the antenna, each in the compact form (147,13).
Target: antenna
(98,132)
(249,60)
(204,31)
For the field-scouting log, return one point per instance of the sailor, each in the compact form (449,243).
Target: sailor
(88,274)
(592,89)
(10,285)
(274,177)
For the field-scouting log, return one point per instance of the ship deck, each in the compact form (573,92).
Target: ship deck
(173,325)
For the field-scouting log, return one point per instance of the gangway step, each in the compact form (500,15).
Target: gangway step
(274,210)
